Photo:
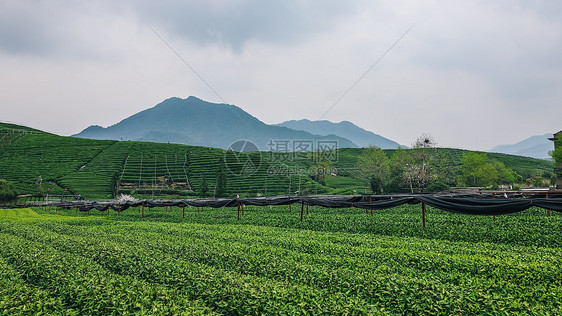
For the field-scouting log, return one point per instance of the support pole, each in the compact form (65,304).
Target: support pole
(307,208)
(289,208)
(423,214)
(183,211)
(302,209)
(142,209)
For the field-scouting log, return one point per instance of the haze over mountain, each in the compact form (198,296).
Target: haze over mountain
(193,121)
(536,146)
(346,129)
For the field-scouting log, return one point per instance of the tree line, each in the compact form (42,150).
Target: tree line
(419,170)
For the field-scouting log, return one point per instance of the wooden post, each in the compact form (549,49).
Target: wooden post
(289,208)
(371,212)
(302,209)
(423,214)
(118,210)
(307,208)
(183,211)
(142,206)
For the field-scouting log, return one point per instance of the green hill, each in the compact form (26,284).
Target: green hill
(35,161)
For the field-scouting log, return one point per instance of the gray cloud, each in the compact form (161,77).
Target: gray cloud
(234,23)
(466,64)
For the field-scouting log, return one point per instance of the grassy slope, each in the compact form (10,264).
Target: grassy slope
(339,261)
(93,167)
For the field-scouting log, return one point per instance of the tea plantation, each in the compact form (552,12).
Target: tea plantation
(336,261)
(39,163)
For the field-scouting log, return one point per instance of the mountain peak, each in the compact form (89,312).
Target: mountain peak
(536,146)
(346,129)
(194,121)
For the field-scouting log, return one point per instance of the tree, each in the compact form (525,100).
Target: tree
(220,187)
(505,175)
(422,152)
(400,176)
(374,167)
(478,171)
(8,191)
(204,188)
(321,167)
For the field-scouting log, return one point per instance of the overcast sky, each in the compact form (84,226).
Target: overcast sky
(473,74)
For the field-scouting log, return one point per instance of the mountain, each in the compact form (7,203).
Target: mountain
(356,134)
(536,146)
(193,121)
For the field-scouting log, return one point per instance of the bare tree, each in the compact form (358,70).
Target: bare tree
(422,152)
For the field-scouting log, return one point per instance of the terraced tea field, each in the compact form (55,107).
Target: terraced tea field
(337,261)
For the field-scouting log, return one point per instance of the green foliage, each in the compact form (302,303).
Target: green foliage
(478,170)
(438,186)
(204,188)
(220,186)
(8,192)
(100,168)
(336,261)
(401,171)
(374,166)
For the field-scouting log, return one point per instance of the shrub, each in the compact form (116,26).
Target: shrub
(8,191)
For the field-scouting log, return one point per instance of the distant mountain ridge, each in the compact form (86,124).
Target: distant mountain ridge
(193,121)
(536,146)
(346,129)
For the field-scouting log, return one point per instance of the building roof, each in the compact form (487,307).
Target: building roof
(556,136)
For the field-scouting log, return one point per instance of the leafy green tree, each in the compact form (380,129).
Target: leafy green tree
(320,168)
(8,191)
(374,166)
(505,175)
(477,170)
(204,188)
(400,176)
(220,188)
